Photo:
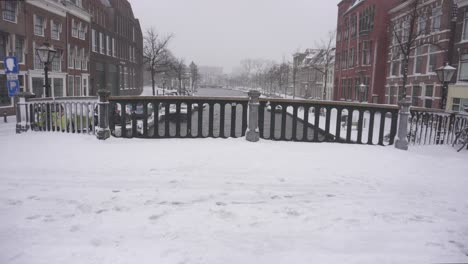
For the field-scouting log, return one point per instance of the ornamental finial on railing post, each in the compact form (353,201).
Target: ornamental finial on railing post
(252,134)
(103,131)
(22,117)
(402,135)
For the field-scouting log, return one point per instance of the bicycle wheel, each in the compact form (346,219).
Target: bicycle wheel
(460,141)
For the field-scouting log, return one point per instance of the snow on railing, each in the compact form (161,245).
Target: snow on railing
(328,121)
(178,116)
(434,127)
(65,114)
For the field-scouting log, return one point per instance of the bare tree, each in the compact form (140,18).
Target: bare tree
(407,33)
(325,59)
(195,75)
(178,68)
(155,53)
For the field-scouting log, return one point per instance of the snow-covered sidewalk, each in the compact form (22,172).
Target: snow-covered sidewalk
(74,199)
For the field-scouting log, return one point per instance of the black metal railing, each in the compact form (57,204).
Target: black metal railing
(434,127)
(69,114)
(326,121)
(177,117)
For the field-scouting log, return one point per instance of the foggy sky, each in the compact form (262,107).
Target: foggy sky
(223,32)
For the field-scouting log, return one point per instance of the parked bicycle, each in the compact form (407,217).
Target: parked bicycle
(461,138)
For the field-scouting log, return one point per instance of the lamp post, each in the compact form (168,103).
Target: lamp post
(362,89)
(445,75)
(46,55)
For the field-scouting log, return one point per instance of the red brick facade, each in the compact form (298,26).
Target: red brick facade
(361,50)
(430,52)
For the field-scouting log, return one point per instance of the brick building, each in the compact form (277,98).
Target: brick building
(12,42)
(432,49)
(116,48)
(71,27)
(361,49)
(457,98)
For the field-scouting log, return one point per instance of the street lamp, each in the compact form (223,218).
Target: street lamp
(445,75)
(46,55)
(362,89)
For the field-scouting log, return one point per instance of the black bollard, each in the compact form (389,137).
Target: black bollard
(5,117)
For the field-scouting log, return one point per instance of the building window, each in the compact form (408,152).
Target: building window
(55,30)
(77,86)
(70,85)
(82,31)
(71,59)
(74,29)
(432,59)
(465,26)
(39,26)
(3,45)
(463,75)
(10,11)
(58,87)
(5,100)
(94,40)
(108,44)
(459,104)
(357,83)
(57,62)
(343,88)
(19,49)
(418,60)
(101,43)
(436,15)
(77,58)
(415,96)
(113,47)
(84,60)
(421,25)
(428,94)
(366,53)
(37,62)
(76,2)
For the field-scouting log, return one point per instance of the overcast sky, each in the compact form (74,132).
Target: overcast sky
(223,32)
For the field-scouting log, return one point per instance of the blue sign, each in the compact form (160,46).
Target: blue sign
(13,87)
(11,65)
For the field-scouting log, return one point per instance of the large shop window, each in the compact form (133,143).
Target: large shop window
(38,86)
(459,104)
(463,76)
(5,100)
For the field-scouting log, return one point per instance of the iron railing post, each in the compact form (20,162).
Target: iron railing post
(252,134)
(103,131)
(402,136)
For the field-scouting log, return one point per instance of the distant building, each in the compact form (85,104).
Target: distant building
(211,76)
(117,48)
(361,49)
(99,45)
(310,78)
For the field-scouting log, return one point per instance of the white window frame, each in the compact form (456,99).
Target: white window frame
(93,40)
(59,30)
(42,26)
(101,43)
(70,55)
(4,11)
(114,53)
(74,31)
(436,18)
(108,44)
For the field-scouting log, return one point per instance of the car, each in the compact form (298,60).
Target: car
(278,108)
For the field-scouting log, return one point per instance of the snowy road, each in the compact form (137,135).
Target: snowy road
(73,199)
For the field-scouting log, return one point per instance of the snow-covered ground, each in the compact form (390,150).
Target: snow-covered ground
(74,199)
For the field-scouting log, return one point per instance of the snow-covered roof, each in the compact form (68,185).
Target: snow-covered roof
(354,4)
